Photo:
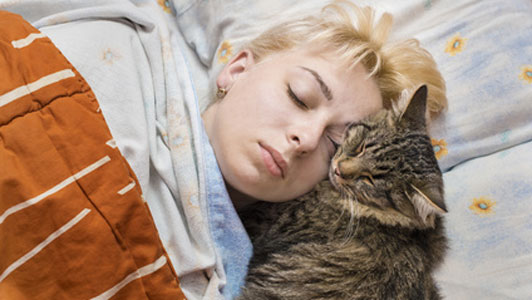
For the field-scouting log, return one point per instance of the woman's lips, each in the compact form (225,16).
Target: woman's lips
(273,160)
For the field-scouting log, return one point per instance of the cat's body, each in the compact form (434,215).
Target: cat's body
(369,234)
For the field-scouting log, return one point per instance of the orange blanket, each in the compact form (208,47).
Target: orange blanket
(73,224)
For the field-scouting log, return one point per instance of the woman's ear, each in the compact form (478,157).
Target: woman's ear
(239,63)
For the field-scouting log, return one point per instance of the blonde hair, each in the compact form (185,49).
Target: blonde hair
(394,66)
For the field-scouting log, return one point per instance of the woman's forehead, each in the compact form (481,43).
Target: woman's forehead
(351,88)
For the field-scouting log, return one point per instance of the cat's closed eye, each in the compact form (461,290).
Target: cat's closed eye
(367,179)
(359,150)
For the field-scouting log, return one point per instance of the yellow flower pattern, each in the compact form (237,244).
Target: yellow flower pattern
(225,52)
(165,4)
(440,147)
(455,44)
(526,73)
(110,56)
(482,206)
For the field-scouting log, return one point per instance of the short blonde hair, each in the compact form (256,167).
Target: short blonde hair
(394,66)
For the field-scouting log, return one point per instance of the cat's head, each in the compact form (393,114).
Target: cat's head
(387,163)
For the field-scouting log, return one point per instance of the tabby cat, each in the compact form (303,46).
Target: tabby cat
(372,231)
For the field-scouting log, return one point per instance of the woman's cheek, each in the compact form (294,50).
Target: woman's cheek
(320,172)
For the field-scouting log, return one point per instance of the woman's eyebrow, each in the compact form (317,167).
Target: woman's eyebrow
(324,88)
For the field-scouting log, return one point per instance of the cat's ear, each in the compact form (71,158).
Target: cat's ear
(428,200)
(414,113)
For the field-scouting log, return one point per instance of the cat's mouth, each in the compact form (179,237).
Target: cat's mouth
(359,187)
(340,183)
(339,178)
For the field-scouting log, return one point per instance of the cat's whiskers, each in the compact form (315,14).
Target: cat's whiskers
(337,223)
(353,214)
(347,206)
(351,207)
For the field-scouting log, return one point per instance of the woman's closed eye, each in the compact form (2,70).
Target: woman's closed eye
(295,98)
(332,144)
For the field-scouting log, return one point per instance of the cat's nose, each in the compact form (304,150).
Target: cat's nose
(344,170)
(342,173)
(349,169)
(337,172)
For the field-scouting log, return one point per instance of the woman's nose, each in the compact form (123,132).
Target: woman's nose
(307,139)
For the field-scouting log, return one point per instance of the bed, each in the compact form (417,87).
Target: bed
(143,70)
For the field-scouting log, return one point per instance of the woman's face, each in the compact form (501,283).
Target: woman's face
(274,132)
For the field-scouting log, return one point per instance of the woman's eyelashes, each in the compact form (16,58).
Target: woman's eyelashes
(295,98)
(334,143)
(334,146)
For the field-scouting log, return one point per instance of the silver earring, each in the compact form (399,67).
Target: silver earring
(221,93)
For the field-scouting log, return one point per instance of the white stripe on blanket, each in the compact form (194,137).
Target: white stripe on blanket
(144,271)
(55,189)
(34,86)
(127,188)
(27,40)
(19,262)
